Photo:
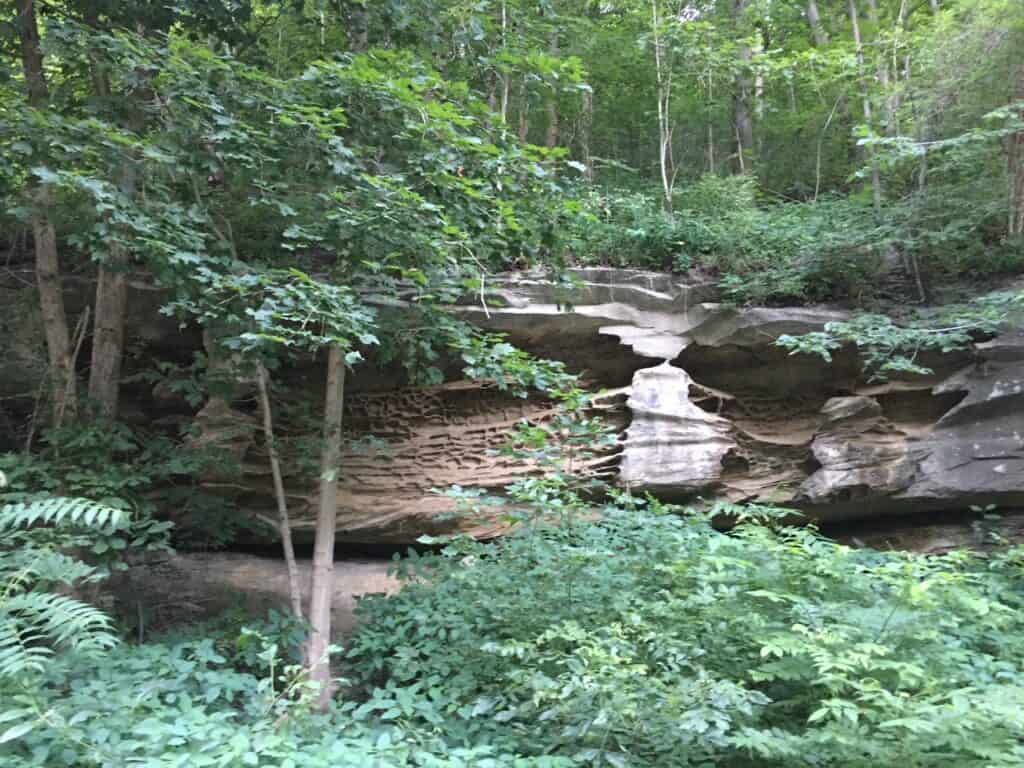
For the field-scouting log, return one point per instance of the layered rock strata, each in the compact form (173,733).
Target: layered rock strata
(706,403)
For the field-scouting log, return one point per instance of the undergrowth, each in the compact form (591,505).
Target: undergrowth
(644,638)
(762,250)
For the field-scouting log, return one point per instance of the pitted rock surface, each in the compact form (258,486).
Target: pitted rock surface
(710,406)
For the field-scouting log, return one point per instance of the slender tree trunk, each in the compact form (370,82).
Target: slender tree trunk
(882,72)
(817,28)
(710,152)
(108,326)
(876,176)
(663,76)
(759,94)
(588,126)
(283,522)
(108,336)
(48,274)
(741,99)
(111,291)
(326,523)
(1015,164)
(524,114)
(821,141)
(55,322)
(551,138)
(506,80)
(901,84)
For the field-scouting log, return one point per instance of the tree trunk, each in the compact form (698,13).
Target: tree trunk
(326,522)
(551,138)
(108,335)
(283,522)
(1015,164)
(48,275)
(759,93)
(524,114)
(359,32)
(882,72)
(876,177)
(492,97)
(741,100)
(709,151)
(111,295)
(506,80)
(817,28)
(663,77)
(588,126)
(108,327)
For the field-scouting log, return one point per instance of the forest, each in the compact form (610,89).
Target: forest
(234,228)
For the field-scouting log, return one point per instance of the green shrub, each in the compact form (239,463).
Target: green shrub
(789,252)
(714,195)
(36,616)
(147,473)
(626,229)
(649,639)
(181,704)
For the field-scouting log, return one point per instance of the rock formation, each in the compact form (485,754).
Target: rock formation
(713,408)
(671,442)
(183,588)
(706,403)
(717,408)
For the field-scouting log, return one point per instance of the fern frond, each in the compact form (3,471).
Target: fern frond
(32,623)
(61,510)
(28,565)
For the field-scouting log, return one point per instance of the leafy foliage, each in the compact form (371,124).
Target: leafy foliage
(890,349)
(179,702)
(135,471)
(644,639)
(33,618)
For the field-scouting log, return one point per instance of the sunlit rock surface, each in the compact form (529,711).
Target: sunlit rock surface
(672,445)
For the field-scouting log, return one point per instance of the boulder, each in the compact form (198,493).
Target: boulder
(975,452)
(191,586)
(859,451)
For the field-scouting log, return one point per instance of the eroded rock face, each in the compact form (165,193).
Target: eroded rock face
(672,446)
(860,452)
(713,407)
(976,450)
(405,449)
(611,321)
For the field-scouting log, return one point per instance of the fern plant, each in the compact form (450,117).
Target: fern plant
(36,616)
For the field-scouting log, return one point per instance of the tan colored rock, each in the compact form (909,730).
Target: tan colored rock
(391,489)
(727,412)
(221,427)
(861,454)
(191,586)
